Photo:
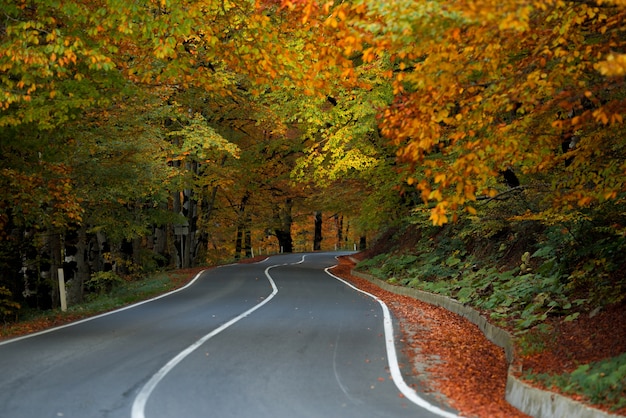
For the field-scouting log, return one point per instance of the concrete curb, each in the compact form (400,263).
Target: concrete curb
(532,401)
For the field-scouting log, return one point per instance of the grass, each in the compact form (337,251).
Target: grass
(602,382)
(123,294)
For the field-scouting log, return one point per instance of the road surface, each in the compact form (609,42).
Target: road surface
(280,338)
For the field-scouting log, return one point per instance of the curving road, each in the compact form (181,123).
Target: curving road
(280,338)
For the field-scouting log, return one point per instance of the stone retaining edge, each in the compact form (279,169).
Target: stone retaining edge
(532,401)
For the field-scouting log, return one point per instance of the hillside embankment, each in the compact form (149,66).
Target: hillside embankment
(568,329)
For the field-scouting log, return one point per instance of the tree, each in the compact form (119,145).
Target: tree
(133,123)
(481,87)
(318,237)
(83,61)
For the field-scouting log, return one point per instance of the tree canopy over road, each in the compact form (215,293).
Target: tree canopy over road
(138,135)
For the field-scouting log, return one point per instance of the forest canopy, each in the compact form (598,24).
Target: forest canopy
(176,132)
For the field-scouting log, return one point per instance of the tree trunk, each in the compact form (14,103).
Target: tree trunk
(189,209)
(76,290)
(242,227)
(160,241)
(185,204)
(284,241)
(283,228)
(317,238)
(362,243)
(54,246)
(248,237)
(339,228)
(238,242)
(205,210)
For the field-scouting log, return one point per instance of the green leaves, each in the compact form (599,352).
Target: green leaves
(7,305)
(601,382)
(201,141)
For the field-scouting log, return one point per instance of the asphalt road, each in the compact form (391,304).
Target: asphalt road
(280,338)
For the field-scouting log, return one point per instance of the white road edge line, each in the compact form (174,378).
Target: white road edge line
(392,357)
(139,405)
(91,318)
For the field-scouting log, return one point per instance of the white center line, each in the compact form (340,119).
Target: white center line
(139,405)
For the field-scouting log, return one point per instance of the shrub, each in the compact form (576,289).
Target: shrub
(103,281)
(7,305)
(603,382)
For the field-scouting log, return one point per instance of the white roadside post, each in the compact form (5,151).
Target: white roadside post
(62,290)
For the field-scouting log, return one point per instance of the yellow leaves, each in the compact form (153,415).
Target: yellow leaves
(620,3)
(440,116)
(332,22)
(369,55)
(440,178)
(613,66)
(350,43)
(513,21)
(435,195)
(600,116)
(616,118)
(309,8)
(438,214)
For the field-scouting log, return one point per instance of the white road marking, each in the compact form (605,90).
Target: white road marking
(71,324)
(392,357)
(139,405)
(343,388)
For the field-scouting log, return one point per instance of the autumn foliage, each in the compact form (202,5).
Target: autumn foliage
(407,105)
(136,136)
(481,86)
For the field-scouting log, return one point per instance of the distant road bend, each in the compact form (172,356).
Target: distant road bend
(280,338)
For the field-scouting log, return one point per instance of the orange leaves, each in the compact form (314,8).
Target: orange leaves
(481,98)
(438,214)
(49,192)
(473,86)
(307,8)
(600,116)
(440,340)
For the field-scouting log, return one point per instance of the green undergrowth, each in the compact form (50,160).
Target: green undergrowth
(119,293)
(516,298)
(523,275)
(520,274)
(112,292)
(602,382)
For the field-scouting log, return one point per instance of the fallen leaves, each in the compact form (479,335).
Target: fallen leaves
(459,361)
(588,339)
